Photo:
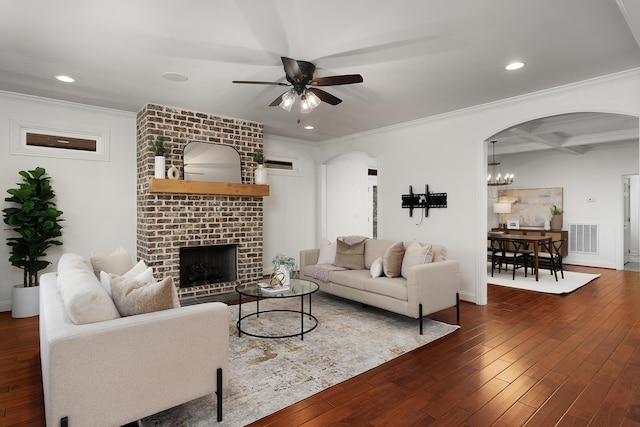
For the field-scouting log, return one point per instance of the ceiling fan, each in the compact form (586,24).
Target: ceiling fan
(299,74)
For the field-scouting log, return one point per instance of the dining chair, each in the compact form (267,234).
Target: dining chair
(509,253)
(550,257)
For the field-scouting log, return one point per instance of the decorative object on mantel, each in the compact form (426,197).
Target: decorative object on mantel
(35,218)
(160,150)
(173,173)
(211,162)
(260,173)
(556,217)
(285,265)
(426,200)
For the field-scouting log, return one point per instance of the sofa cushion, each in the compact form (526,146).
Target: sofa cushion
(350,278)
(376,268)
(119,262)
(350,255)
(327,252)
(133,296)
(70,261)
(85,301)
(392,260)
(374,249)
(394,288)
(415,254)
(439,253)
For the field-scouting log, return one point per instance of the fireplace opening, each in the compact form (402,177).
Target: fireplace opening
(203,265)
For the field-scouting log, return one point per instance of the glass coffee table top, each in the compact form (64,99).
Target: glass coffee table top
(297,287)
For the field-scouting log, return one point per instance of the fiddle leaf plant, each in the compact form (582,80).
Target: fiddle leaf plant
(36,221)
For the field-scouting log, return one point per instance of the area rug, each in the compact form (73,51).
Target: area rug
(546,283)
(267,375)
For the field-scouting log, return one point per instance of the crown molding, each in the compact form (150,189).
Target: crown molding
(67,104)
(631,74)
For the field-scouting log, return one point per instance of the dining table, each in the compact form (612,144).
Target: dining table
(522,238)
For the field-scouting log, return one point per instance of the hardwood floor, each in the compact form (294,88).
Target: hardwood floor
(524,358)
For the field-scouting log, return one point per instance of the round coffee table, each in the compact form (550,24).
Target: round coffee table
(297,288)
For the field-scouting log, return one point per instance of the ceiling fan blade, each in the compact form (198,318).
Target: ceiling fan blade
(277,101)
(292,69)
(260,83)
(346,79)
(325,96)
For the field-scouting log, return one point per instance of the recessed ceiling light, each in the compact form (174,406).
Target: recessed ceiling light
(65,79)
(175,76)
(308,127)
(514,66)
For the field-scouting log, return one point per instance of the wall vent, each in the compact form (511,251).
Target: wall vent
(584,238)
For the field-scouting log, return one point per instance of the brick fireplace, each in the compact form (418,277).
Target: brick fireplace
(167,222)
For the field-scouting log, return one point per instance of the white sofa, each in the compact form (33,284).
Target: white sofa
(427,287)
(112,372)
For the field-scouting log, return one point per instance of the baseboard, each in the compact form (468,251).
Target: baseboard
(5,306)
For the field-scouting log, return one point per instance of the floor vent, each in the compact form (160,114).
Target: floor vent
(584,238)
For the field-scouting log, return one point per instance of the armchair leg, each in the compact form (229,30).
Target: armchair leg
(420,315)
(219,393)
(458,307)
(64,422)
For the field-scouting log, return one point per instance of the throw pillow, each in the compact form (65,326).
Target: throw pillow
(415,254)
(327,252)
(376,268)
(137,297)
(392,260)
(137,273)
(119,262)
(349,256)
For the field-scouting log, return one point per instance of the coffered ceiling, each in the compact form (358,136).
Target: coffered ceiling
(418,57)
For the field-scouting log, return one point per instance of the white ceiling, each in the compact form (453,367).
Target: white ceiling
(418,57)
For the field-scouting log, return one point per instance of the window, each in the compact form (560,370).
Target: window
(38,139)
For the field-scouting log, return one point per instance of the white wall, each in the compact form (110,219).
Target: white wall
(98,198)
(448,153)
(597,174)
(290,211)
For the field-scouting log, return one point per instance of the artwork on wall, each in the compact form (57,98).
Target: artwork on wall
(530,206)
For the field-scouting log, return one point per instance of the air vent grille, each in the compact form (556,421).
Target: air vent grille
(584,238)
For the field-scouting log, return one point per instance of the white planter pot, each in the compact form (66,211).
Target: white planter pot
(159,171)
(260,175)
(25,302)
(287,275)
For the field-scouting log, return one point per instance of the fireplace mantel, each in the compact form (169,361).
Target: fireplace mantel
(179,186)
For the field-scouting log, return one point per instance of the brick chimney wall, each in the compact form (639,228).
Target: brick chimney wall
(167,222)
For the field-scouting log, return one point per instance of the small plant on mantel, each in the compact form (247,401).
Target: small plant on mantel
(158,146)
(259,157)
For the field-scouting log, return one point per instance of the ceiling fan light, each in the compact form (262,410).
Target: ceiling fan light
(313,100)
(288,99)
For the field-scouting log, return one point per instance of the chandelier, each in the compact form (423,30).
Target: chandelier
(494,176)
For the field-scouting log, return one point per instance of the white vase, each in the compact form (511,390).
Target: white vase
(260,175)
(159,167)
(547,225)
(287,275)
(25,302)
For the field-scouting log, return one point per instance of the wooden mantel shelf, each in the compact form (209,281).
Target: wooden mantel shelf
(179,186)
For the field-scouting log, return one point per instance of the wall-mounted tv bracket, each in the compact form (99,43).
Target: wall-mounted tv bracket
(427,200)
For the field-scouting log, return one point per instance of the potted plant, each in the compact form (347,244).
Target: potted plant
(36,221)
(556,217)
(286,265)
(260,174)
(160,150)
